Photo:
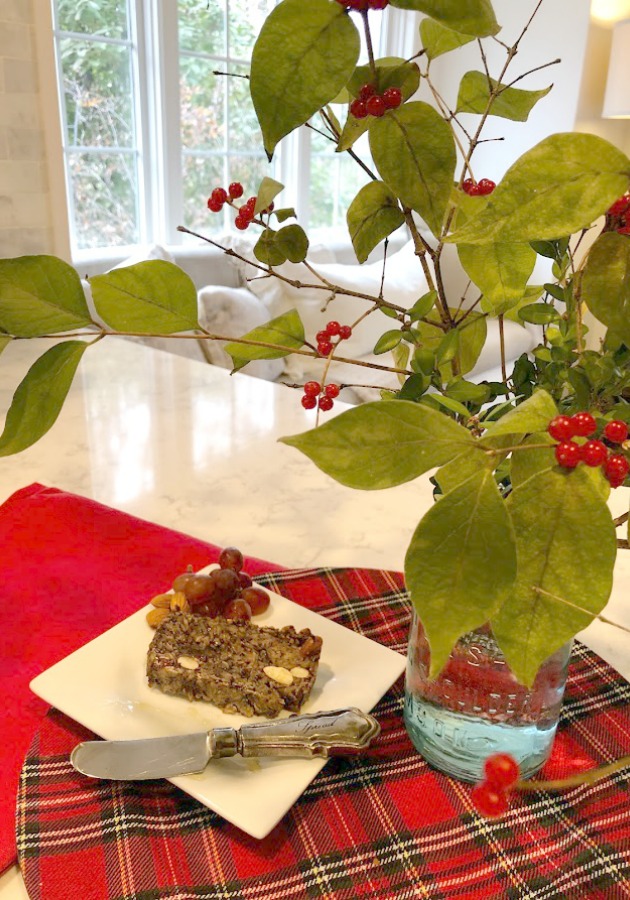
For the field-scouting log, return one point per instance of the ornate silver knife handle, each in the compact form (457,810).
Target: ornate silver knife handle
(311,735)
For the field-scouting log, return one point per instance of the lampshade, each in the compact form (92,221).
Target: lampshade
(617,98)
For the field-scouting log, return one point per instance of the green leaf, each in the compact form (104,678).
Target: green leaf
(461,563)
(387,341)
(150,297)
(304,55)
(435,401)
(292,241)
(558,187)
(4,341)
(533,414)
(566,549)
(40,295)
(391,71)
(539,313)
(268,190)
(372,216)
(470,337)
(474,17)
(606,283)
(39,397)
(283,214)
(508,103)
(414,387)
(438,39)
(423,306)
(467,391)
(267,251)
(286,331)
(499,270)
(382,444)
(414,152)
(466,464)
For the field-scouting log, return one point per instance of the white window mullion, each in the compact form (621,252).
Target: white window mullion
(165,192)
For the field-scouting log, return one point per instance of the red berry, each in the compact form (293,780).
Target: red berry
(616,431)
(325,403)
(309,401)
(241,223)
(485,186)
(219,194)
(246,213)
(501,770)
(367,91)
(594,453)
(467,185)
(392,97)
(214,205)
(624,229)
(568,454)
(313,388)
(332,390)
(488,800)
(375,106)
(358,109)
(235,190)
(620,206)
(474,191)
(345,332)
(322,336)
(333,328)
(616,469)
(583,424)
(378,4)
(561,428)
(251,204)
(324,348)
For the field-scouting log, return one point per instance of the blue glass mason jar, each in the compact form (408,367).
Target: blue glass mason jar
(476,707)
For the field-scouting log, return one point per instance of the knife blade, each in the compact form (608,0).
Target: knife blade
(312,735)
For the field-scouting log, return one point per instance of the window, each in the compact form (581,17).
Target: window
(156,112)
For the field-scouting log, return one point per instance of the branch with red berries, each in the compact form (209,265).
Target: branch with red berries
(491,796)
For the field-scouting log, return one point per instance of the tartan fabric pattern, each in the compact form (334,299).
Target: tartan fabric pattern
(384,823)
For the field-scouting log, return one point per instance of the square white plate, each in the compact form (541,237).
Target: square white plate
(103,686)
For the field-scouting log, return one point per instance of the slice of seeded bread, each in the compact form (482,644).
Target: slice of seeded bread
(237,666)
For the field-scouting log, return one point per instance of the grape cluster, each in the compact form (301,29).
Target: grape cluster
(594,452)
(227,591)
(490,796)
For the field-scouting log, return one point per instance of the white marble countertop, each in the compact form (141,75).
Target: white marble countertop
(190,447)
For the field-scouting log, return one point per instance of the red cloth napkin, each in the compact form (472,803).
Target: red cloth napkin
(71,568)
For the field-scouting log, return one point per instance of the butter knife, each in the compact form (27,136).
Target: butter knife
(313,735)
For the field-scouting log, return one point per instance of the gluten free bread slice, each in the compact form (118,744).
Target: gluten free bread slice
(237,666)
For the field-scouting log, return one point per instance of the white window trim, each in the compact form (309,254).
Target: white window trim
(159,208)
(51,118)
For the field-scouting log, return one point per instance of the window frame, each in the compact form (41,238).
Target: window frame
(153,27)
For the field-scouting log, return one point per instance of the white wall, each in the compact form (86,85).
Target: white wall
(559,30)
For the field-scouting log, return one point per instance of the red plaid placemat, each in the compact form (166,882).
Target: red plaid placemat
(384,824)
